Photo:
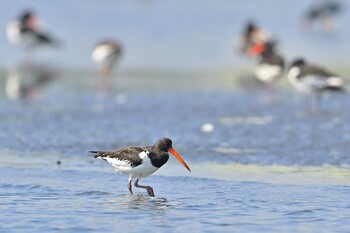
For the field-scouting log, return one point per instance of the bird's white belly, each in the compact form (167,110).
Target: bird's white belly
(267,73)
(143,170)
(103,55)
(27,40)
(298,84)
(13,32)
(314,83)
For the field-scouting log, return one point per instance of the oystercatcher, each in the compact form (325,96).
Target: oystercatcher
(313,80)
(139,162)
(270,65)
(106,53)
(25,31)
(323,13)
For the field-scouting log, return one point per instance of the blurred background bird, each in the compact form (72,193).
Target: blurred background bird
(26,32)
(270,64)
(313,80)
(321,15)
(106,54)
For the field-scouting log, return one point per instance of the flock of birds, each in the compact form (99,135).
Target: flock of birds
(304,76)
(139,162)
(26,32)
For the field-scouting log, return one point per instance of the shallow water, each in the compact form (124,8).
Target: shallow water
(265,166)
(54,199)
(258,164)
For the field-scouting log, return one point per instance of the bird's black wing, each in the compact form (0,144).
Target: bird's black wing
(317,71)
(130,154)
(274,60)
(44,38)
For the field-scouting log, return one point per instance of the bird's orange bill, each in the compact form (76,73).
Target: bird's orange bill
(172,151)
(256,49)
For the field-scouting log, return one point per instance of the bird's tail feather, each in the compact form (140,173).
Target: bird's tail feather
(334,88)
(96,154)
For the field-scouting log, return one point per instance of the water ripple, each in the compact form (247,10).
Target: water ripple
(94,193)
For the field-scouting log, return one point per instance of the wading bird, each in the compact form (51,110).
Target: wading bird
(313,80)
(323,14)
(139,162)
(25,31)
(270,65)
(106,54)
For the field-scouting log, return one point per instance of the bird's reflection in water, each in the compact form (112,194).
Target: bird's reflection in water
(141,202)
(26,81)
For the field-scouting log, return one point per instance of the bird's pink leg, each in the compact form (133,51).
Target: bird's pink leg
(269,92)
(317,102)
(148,188)
(130,186)
(309,105)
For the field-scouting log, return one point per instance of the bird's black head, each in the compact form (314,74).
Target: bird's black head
(299,62)
(250,28)
(28,20)
(164,144)
(26,15)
